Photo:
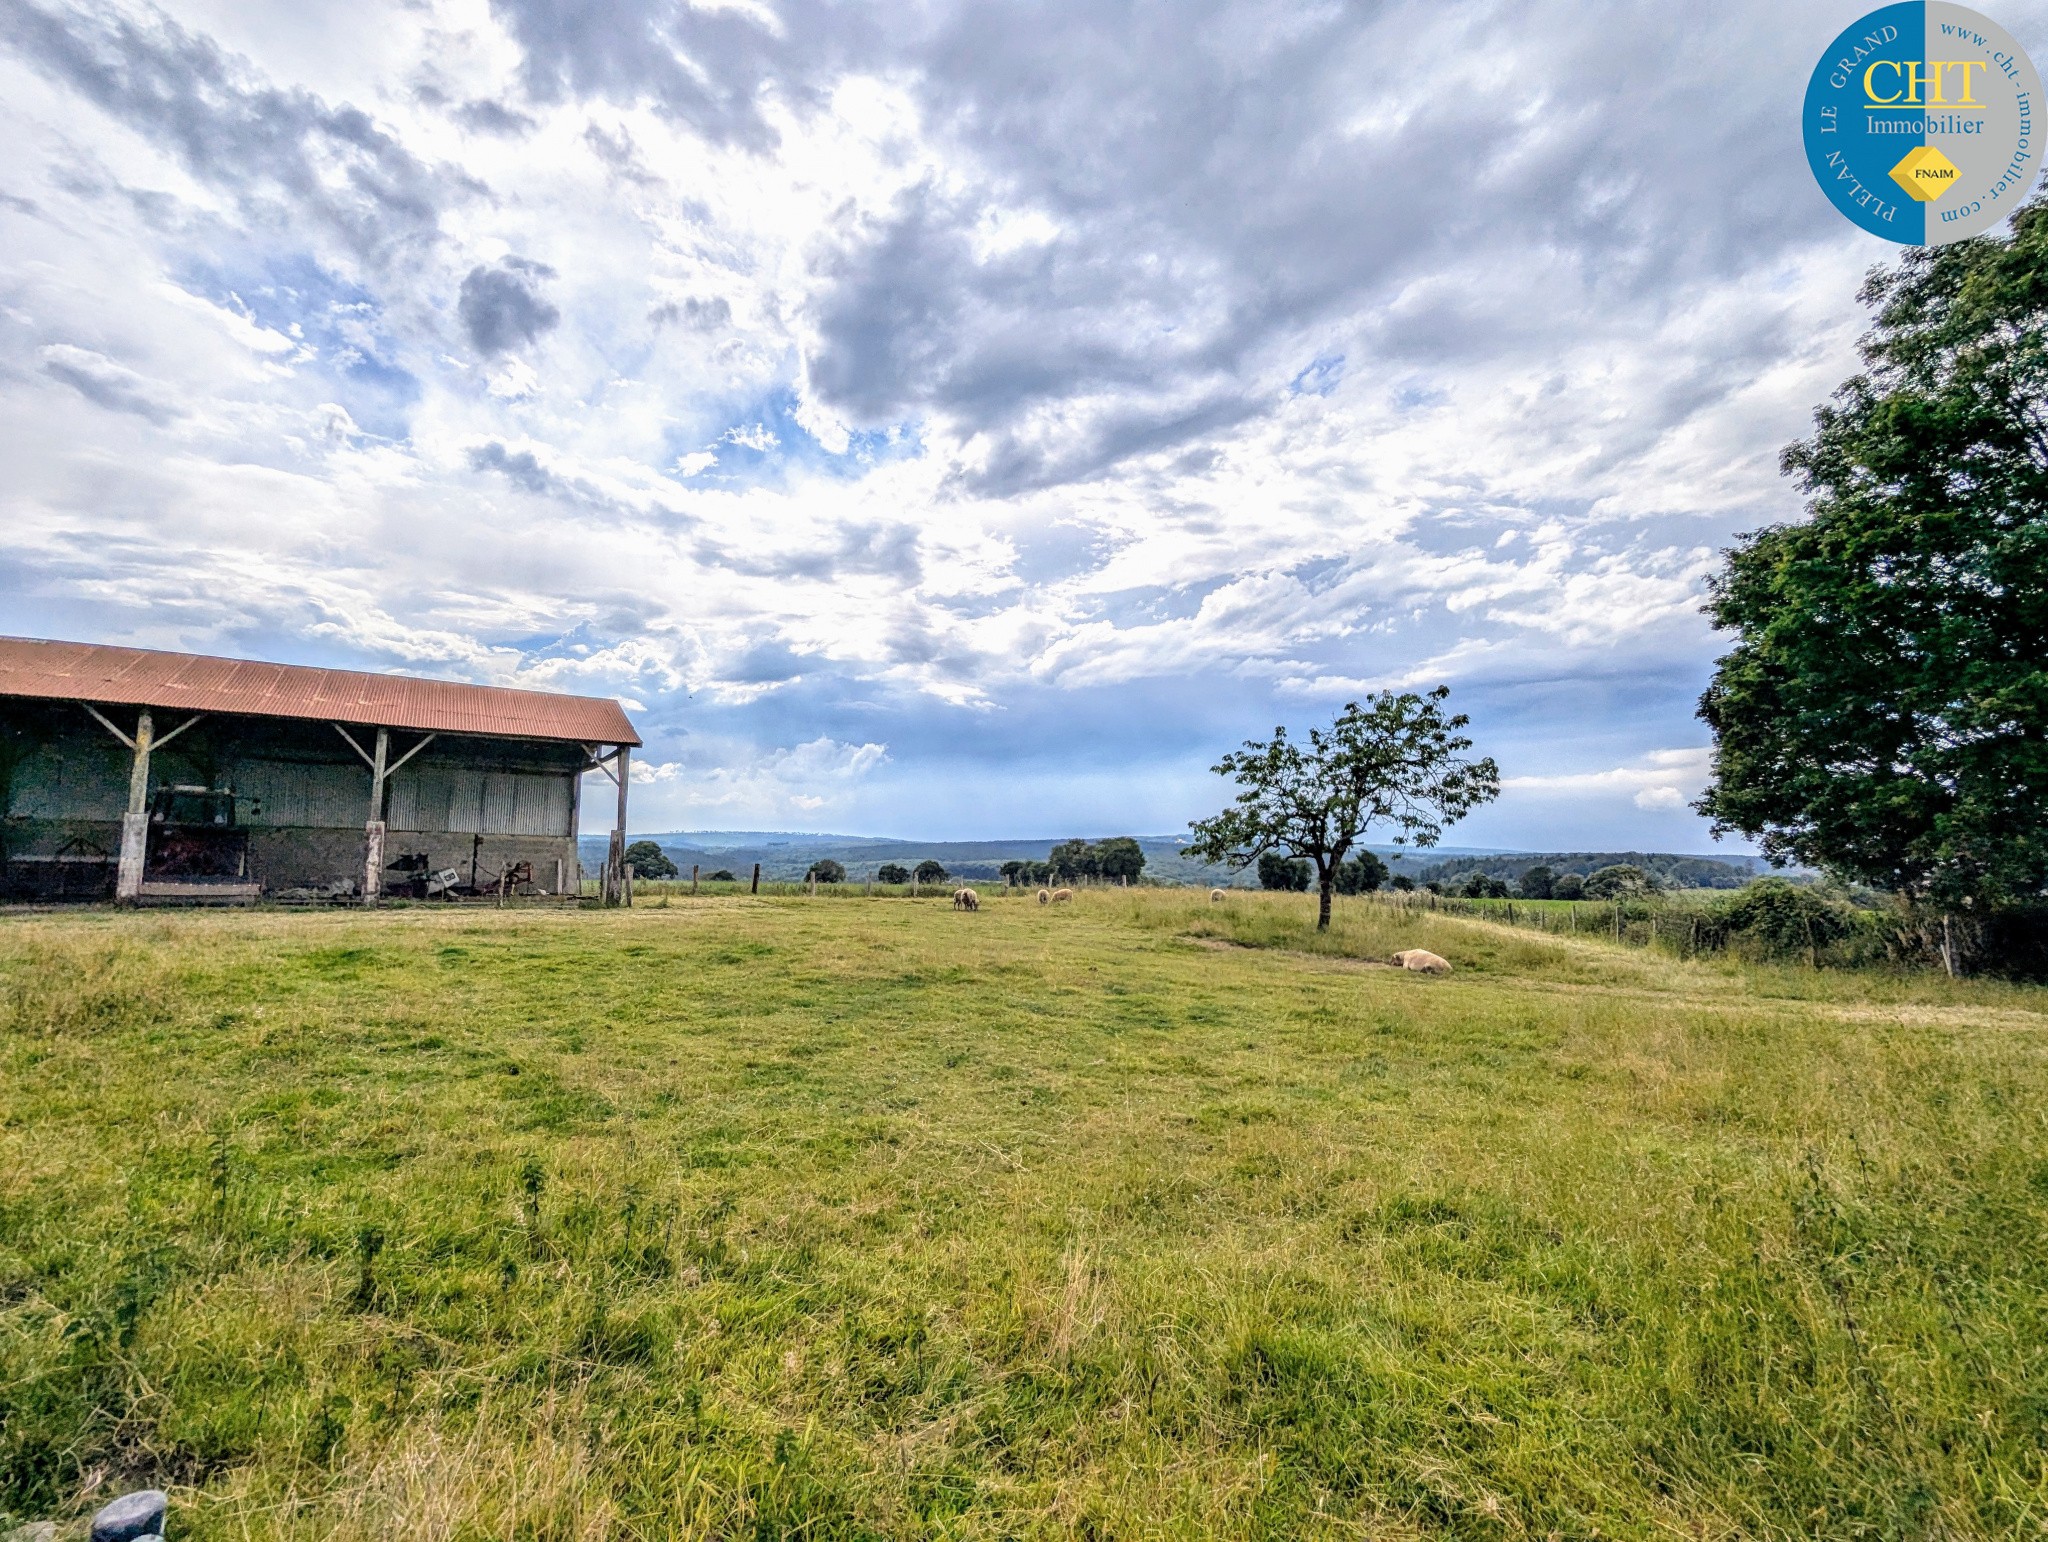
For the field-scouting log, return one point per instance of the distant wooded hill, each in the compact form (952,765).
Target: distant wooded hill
(785,856)
(1674,871)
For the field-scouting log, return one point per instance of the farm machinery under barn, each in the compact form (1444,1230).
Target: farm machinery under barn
(193,834)
(412,875)
(196,850)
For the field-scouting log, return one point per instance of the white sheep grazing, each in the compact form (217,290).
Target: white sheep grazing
(1062,896)
(966,899)
(1215,896)
(1045,896)
(1422,961)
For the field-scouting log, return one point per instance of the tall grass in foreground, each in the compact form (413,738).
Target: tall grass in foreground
(1145,1217)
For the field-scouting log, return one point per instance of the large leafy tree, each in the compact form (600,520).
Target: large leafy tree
(1884,712)
(1397,761)
(1362,874)
(1071,860)
(648,860)
(1284,874)
(1120,857)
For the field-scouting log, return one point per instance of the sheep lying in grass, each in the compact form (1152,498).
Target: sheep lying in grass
(1422,961)
(1061,896)
(1215,895)
(966,899)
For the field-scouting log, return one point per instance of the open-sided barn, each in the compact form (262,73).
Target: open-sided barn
(144,776)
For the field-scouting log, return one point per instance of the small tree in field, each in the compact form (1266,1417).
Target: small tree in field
(1397,760)
(1071,860)
(1120,858)
(1538,882)
(930,870)
(648,860)
(892,872)
(1624,880)
(1362,874)
(825,870)
(1283,873)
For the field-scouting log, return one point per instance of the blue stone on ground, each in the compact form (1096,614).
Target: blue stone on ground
(131,1517)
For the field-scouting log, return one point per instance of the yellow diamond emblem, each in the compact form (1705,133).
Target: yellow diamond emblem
(1925,173)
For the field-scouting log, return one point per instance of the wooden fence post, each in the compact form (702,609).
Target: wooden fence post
(756,889)
(693,878)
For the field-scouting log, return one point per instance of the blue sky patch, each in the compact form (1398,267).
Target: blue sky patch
(343,324)
(764,442)
(1320,378)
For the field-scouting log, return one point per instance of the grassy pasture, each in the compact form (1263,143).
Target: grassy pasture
(1143,1217)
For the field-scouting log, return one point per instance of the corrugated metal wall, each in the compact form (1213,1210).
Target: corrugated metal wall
(486,802)
(279,794)
(71,781)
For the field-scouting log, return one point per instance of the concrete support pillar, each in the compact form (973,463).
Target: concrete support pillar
(134,843)
(135,822)
(373,861)
(624,880)
(373,829)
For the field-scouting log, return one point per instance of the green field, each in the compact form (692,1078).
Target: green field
(1143,1217)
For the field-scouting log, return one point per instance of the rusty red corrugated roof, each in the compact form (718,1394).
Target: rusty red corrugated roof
(142,677)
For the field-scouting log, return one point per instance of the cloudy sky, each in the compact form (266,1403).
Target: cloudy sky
(932,419)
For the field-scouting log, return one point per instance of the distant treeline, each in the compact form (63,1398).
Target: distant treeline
(1115,859)
(1670,871)
(1148,859)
